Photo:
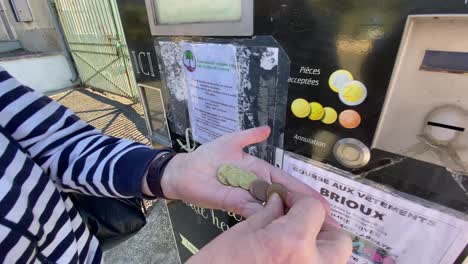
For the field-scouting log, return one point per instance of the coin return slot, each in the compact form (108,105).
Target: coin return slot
(445,61)
(461,129)
(351,153)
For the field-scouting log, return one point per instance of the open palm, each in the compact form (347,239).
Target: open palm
(192,177)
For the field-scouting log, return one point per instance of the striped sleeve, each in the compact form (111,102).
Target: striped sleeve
(74,154)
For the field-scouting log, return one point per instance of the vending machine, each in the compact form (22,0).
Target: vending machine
(367,101)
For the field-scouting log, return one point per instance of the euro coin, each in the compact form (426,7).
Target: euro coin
(222,173)
(330,116)
(350,119)
(354,93)
(339,79)
(300,108)
(278,189)
(258,189)
(316,111)
(233,177)
(246,180)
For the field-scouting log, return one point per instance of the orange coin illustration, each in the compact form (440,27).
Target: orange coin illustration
(350,119)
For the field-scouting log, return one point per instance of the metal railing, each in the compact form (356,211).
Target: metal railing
(96,39)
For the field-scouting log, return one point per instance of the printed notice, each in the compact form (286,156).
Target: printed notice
(212,83)
(385,228)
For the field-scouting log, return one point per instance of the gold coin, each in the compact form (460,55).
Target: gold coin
(246,180)
(222,178)
(316,111)
(300,108)
(222,173)
(278,189)
(233,178)
(354,93)
(330,116)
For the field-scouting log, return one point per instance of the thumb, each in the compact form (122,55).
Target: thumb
(273,210)
(248,137)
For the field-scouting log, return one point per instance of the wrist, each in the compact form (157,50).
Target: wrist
(173,170)
(152,180)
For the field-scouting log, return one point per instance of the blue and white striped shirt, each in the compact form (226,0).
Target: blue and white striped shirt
(60,154)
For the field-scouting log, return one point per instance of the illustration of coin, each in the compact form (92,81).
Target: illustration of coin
(354,93)
(350,119)
(300,108)
(330,116)
(339,79)
(316,111)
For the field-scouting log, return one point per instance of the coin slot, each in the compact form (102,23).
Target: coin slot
(445,61)
(461,129)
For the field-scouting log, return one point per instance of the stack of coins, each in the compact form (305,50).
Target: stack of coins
(260,189)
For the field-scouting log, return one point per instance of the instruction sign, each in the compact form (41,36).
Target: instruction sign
(212,83)
(386,228)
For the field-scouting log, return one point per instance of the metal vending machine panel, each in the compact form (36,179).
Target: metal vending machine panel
(367,101)
(428,89)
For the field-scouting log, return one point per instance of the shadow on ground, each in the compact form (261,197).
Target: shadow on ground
(113,115)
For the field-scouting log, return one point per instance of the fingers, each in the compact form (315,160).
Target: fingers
(334,245)
(305,211)
(250,209)
(331,222)
(273,210)
(294,185)
(247,137)
(238,201)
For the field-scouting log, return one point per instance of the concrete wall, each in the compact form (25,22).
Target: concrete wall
(38,35)
(42,73)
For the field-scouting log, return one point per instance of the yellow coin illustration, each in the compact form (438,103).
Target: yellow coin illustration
(300,108)
(316,111)
(339,79)
(354,93)
(330,116)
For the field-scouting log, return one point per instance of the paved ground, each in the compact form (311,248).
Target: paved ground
(120,117)
(113,115)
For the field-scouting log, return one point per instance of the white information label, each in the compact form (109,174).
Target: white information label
(386,228)
(212,82)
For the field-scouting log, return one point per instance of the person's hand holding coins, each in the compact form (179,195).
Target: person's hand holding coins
(272,236)
(193,177)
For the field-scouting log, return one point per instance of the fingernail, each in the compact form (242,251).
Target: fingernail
(274,198)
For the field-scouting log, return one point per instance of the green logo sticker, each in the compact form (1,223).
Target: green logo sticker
(190,62)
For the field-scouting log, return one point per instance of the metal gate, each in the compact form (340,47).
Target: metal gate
(96,39)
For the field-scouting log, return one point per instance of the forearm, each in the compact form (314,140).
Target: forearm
(74,154)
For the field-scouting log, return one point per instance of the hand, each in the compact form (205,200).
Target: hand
(192,177)
(300,236)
